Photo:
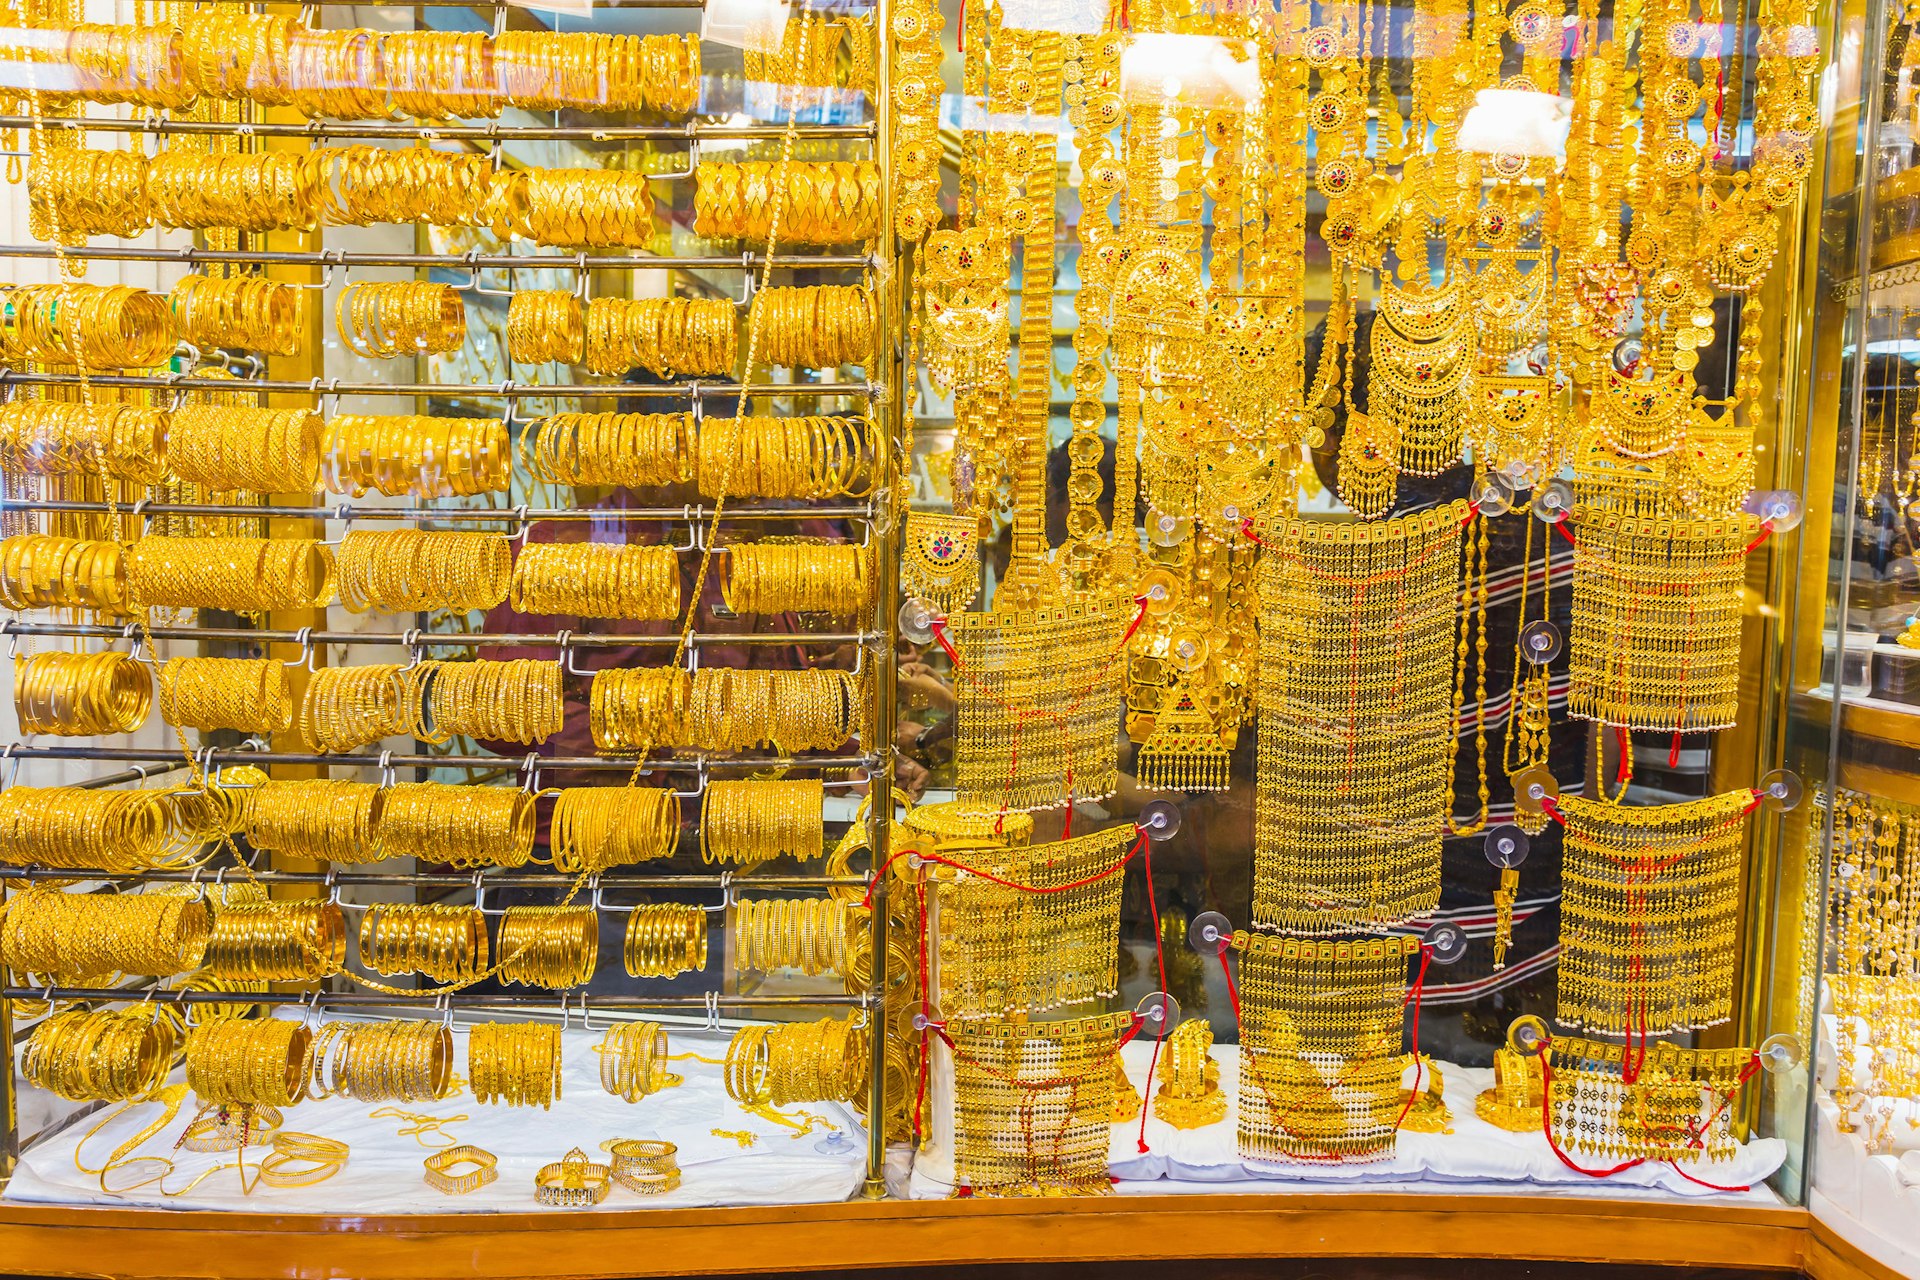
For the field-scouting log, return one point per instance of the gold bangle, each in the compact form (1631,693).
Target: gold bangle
(440,1168)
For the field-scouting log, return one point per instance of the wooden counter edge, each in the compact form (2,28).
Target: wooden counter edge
(150,1244)
(1832,1257)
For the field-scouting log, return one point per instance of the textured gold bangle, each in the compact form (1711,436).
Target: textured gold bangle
(480,1168)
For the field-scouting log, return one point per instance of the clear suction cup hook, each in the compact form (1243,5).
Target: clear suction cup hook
(1781,790)
(1493,494)
(1626,355)
(1159,1014)
(1209,933)
(1781,1052)
(1533,788)
(836,1144)
(1780,508)
(1553,501)
(1165,529)
(1446,942)
(1160,819)
(1507,847)
(916,621)
(1540,642)
(1528,1036)
(926,1019)
(1519,472)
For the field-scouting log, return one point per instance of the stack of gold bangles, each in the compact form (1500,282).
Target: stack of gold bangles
(336,73)
(445,943)
(252,695)
(752,821)
(104,1055)
(138,65)
(244,575)
(239,190)
(76,694)
(326,819)
(645,1166)
(826,202)
(349,707)
(597,580)
(808,934)
(407,184)
(807,458)
(383,318)
(42,572)
(633,1060)
(415,456)
(74,936)
(76,192)
(823,1061)
(638,708)
(414,570)
(460,1170)
(71,828)
(98,326)
(553,947)
(802,577)
(665,940)
(635,450)
(439,75)
(250,312)
(580,208)
(742,708)
(254,1061)
(302,1159)
(389,1061)
(545,325)
(667,336)
(285,941)
(466,827)
(261,450)
(818,327)
(515,1063)
(514,701)
(587,71)
(64,438)
(597,828)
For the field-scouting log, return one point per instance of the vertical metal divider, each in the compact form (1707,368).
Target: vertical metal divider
(889,356)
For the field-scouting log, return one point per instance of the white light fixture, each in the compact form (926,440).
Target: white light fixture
(1516,122)
(1068,17)
(1189,71)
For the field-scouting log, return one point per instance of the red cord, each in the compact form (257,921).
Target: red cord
(1413,998)
(1560,527)
(1160,956)
(1139,616)
(1766,529)
(1546,1125)
(940,634)
(1024,888)
(1233,992)
(1623,767)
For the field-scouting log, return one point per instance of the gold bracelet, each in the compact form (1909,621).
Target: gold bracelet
(480,1168)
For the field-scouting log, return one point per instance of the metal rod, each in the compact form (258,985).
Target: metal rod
(484,261)
(499,391)
(689,132)
(476,639)
(139,773)
(517,515)
(372,999)
(213,756)
(448,879)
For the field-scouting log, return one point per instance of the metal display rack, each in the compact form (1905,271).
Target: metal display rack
(874,639)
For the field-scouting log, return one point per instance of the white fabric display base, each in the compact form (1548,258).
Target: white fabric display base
(1870,1200)
(384,1175)
(1476,1155)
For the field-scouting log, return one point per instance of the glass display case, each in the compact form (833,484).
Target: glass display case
(654,606)
(1851,722)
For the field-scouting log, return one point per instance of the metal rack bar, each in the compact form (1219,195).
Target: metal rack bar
(691,131)
(212,756)
(484,261)
(372,999)
(447,879)
(517,515)
(500,391)
(139,773)
(476,639)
